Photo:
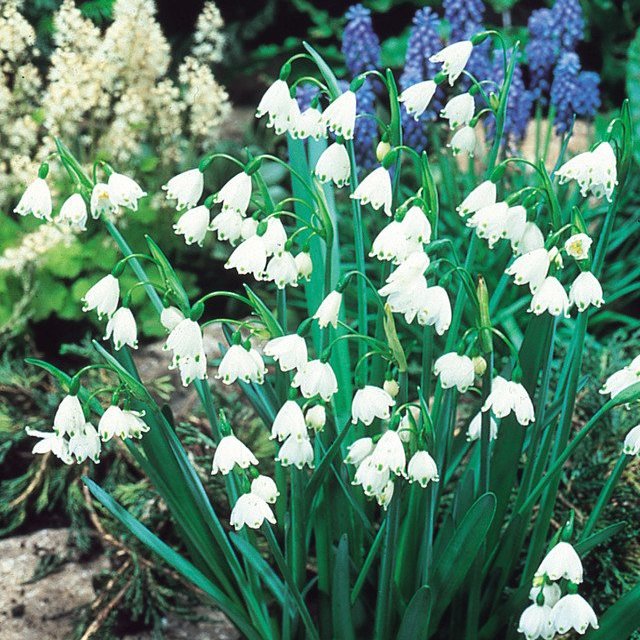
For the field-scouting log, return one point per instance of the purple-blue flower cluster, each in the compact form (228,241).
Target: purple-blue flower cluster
(541,52)
(568,24)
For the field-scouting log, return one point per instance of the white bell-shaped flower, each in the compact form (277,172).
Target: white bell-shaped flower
(316,378)
(463,141)
(296,451)
(304,265)
(454,370)
(578,245)
(193,225)
(329,310)
(515,224)
(604,177)
(265,488)
(124,191)
(249,228)
(122,423)
(235,195)
(551,593)
(408,423)
(250,256)
(530,240)
(334,165)
(384,497)
(474,430)
(276,105)
(416,225)
(454,59)
(340,116)
(535,622)
(371,477)
(417,97)
(50,442)
(185,340)
(369,403)
(193,368)
(482,196)
(36,200)
(376,189)
(239,363)
(289,351)
(185,188)
(171,317)
(288,421)
(228,225)
(282,270)
(490,222)
(585,290)
(393,244)
(122,326)
(561,562)
(632,442)
(391,387)
(309,124)
(620,380)
(459,110)
(250,510)
(316,417)
(422,469)
(359,450)
(551,297)
(103,296)
(74,212)
(389,452)
(292,118)
(85,444)
(406,297)
(434,309)
(275,236)
(101,204)
(573,612)
(229,453)
(530,268)
(507,396)
(69,417)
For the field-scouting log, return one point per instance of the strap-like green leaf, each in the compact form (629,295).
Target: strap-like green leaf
(620,620)
(415,622)
(340,596)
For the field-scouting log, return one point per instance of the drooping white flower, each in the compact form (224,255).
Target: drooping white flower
(392,243)
(134,425)
(417,97)
(282,270)
(249,228)
(36,200)
(289,351)
(229,453)
(376,189)
(391,387)
(359,450)
(292,118)
(490,222)
(69,417)
(371,477)
(309,124)
(454,58)
(573,612)
(371,402)
(329,309)
(124,191)
(250,256)
(316,417)
(531,239)
(383,498)
(463,141)
(474,430)
(228,225)
(551,297)
(101,204)
(288,421)
(530,268)
(122,423)
(297,451)
(454,371)
(85,443)
(304,265)
(507,396)
(535,622)
(333,165)
(276,104)
(265,488)
(193,368)
(185,340)
(594,171)
(51,442)
(422,469)
(235,195)
(632,442)
(459,110)
(103,296)
(74,212)
(186,188)
(239,363)
(416,225)
(482,196)
(434,309)
(409,422)
(550,591)
(171,317)
(585,290)
(515,224)
(275,236)
(389,452)
(340,116)
(561,562)
(193,225)
(122,326)
(316,378)
(621,379)
(251,510)
(578,245)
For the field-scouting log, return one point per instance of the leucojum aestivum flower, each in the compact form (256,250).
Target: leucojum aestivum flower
(387,509)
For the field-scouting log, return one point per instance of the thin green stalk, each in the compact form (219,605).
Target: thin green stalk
(366,565)
(485,430)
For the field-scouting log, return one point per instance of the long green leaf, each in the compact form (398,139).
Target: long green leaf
(415,622)
(340,596)
(621,619)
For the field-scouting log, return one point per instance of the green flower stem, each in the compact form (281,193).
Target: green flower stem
(368,562)
(485,431)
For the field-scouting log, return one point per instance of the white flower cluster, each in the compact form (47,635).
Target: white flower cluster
(552,613)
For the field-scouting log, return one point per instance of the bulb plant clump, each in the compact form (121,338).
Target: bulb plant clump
(385,510)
